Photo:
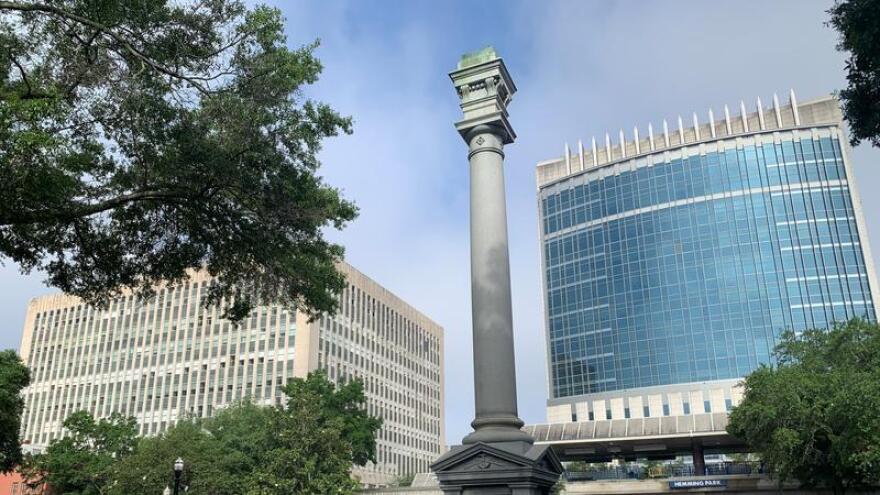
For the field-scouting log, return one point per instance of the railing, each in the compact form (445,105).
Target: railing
(637,471)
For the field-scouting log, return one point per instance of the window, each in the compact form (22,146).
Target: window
(666,409)
(646,411)
(608,264)
(687,407)
(707,406)
(728,405)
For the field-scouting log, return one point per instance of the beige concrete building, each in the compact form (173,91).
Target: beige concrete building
(163,359)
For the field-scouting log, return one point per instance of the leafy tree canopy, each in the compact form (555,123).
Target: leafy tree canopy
(208,467)
(815,416)
(307,447)
(322,431)
(85,461)
(142,139)
(858,23)
(14,376)
(342,405)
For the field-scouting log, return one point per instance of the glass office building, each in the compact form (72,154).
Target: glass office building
(672,263)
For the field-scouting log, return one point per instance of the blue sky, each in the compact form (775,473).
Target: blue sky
(582,68)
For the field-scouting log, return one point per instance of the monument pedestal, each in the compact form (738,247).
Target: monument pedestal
(509,468)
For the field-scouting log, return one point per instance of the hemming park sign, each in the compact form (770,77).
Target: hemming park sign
(689,484)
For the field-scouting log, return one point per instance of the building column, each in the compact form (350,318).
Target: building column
(485,88)
(699,459)
(498,458)
(494,369)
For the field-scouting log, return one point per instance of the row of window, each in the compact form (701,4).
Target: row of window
(699,289)
(398,361)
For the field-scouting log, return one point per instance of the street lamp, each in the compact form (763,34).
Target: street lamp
(178,470)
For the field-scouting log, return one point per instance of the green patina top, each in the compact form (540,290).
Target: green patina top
(478,57)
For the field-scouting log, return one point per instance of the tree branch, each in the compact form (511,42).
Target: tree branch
(50,9)
(22,72)
(80,210)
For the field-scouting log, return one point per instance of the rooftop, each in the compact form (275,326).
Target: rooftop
(775,117)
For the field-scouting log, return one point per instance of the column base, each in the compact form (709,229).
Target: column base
(505,468)
(497,429)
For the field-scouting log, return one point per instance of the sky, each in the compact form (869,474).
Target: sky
(582,68)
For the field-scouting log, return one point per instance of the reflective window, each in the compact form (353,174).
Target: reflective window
(689,270)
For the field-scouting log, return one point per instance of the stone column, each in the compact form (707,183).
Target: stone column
(494,370)
(485,88)
(498,458)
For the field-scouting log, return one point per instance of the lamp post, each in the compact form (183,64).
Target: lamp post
(178,470)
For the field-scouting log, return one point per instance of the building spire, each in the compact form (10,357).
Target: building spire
(581,154)
(712,123)
(777,111)
(607,148)
(665,133)
(567,159)
(761,122)
(595,153)
(727,120)
(680,130)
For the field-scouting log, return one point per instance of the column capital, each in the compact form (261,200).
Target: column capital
(484,90)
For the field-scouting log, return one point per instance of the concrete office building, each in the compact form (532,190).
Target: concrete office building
(162,359)
(673,261)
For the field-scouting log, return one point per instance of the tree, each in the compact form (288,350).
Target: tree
(405,479)
(84,462)
(306,447)
(220,454)
(815,415)
(343,403)
(858,24)
(141,140)
(321,432)
(14,376)
(208,467)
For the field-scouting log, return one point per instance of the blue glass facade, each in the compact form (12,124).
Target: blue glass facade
(689,269)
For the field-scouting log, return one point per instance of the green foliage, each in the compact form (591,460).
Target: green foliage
(343,406)
(208,467)
(307,447)
(405,479)
(858,24)
(14,376)
(323,430)
(85,461)
(815,416)
(141,140)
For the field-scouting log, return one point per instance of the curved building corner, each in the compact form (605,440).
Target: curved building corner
(672,263)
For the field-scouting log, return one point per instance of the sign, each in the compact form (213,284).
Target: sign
(685,484)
